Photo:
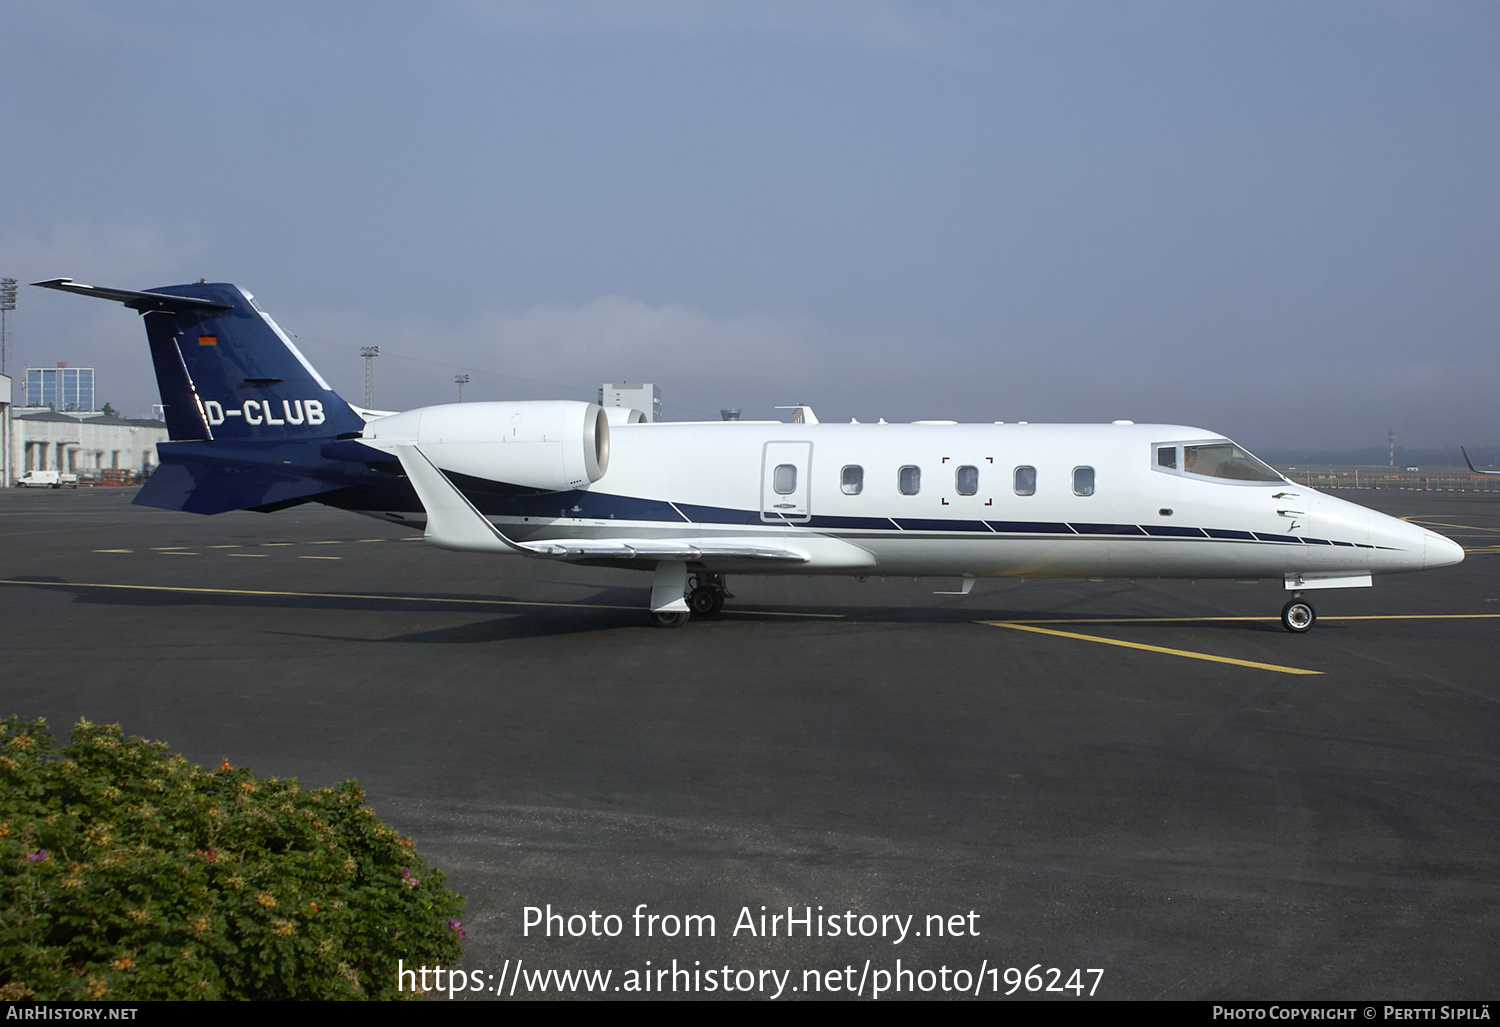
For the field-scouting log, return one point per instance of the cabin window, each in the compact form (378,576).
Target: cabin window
(966,480)
(852,480)
(909,480)
(784,479)
(1083,481)
(1166,456)
(1025,481)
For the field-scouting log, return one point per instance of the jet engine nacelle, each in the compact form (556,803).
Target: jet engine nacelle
(552,445)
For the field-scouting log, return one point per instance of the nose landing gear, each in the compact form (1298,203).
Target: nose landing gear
(1298,614)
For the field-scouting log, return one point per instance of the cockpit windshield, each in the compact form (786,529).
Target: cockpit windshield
(1225,460)
(1220,459)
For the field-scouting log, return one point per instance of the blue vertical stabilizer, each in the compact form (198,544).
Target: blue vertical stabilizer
(230,370)
(246,412)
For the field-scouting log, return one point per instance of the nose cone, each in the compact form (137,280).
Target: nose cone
(1439,551)
(1401,545)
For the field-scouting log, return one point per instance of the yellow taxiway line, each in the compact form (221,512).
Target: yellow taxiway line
(1016,626)
(1210,620)
(1035,627)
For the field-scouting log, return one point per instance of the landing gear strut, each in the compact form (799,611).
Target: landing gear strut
(1298,615)
(706,598)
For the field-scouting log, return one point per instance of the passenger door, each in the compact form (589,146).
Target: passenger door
(784,484)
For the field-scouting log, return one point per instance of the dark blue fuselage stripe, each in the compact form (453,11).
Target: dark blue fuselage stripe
(1174,531)
(1030,527)
(500,500)
(928,524)
(1108,529)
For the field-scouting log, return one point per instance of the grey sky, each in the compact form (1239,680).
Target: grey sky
(1274,220)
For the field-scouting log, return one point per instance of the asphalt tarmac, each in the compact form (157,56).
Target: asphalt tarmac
(1216,809)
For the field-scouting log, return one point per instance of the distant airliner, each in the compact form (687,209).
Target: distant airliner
(1476,470)
(254,426)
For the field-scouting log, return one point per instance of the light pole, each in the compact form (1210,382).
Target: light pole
(369,353)
(7,303)
(460,380)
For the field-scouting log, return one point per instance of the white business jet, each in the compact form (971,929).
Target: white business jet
(254,426)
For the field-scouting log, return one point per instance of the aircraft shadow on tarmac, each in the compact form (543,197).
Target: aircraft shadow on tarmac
(608,609)
(506,628)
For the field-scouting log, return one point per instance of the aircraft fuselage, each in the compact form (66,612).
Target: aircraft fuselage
(1027,500)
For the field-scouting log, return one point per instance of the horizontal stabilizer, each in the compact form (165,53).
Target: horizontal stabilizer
(211,486)
(142,301)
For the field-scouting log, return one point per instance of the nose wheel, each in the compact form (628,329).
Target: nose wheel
(1298,616)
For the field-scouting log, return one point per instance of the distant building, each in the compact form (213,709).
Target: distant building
(59,430)
(644,397)
(61,387)
(81,442)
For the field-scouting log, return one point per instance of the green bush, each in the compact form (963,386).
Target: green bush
(133,874)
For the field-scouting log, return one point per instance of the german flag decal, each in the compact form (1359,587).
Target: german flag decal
(208,340)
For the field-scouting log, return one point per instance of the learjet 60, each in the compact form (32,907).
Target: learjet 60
(253,426)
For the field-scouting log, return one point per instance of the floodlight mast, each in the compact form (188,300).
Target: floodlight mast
(369,353)
(7,304)
(460,380)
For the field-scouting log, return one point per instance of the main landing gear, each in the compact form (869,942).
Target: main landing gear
(705,597)
(1298,614)
(706,594)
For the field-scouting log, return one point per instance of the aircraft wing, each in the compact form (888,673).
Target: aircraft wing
(455,523)
(661,549)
